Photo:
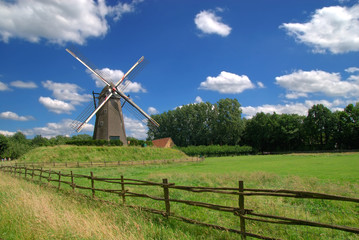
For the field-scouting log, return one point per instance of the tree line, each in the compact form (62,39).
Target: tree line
(222,124)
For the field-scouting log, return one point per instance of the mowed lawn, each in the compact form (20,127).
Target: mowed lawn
(337,167)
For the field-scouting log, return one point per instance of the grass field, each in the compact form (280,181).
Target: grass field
(325,173)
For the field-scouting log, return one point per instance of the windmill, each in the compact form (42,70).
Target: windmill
(109,123)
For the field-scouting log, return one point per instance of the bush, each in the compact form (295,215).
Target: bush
(216,150)
(93,142)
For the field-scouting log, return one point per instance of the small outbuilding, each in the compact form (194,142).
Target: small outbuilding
(163,143)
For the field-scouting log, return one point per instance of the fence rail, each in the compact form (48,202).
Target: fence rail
(97,164)
(123,191)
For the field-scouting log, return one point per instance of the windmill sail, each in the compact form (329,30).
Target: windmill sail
(114,90)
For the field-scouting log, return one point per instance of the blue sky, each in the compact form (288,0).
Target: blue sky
(273,56)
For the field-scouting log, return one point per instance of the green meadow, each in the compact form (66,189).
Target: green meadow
(334,173)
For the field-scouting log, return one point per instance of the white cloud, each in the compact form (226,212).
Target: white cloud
(198,99)
(3,87)
(290,108)
(134,87)
(114,76)
(108,74)
(56,106)
(54,129)
(152,110)
(66,92)
(209,23)
(135,128)
(22,84)
(6,133)
(58,21)
(227,83)
(300,83)
(13,116)
(352,69)
(260,85)
(332,28)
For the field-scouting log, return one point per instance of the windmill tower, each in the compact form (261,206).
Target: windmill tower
(109,123)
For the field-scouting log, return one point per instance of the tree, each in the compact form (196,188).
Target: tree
(40,141)
(201,124)
(259,132)
(4,145)
(319,126)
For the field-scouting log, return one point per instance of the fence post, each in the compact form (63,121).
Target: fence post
(166,197)
(92,185)
(49,177)
(241,209)
(72,182)
(123,190)
(33,171)
(25,172)
(78,164)
(40,174)
(59,180)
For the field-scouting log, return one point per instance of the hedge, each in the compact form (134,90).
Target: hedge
(216,150)
(93,142)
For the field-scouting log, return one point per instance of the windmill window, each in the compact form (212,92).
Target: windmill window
(105,111)
(101,123)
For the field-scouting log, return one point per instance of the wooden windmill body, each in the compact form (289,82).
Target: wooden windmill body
(109,123)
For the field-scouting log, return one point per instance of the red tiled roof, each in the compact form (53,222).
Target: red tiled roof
(162,142)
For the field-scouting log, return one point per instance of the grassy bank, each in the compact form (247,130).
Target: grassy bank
(65,153)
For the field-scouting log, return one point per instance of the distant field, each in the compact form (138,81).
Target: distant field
(341,167)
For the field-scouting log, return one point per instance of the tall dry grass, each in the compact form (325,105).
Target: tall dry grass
(29,212)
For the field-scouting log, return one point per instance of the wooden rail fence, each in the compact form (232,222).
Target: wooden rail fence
(98,164)
(126,184)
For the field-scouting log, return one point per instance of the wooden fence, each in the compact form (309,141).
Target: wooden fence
(97,164)
(125,185)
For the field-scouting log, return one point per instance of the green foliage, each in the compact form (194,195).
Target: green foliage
(216,150)
(201,124)
(136,142)
(94,142)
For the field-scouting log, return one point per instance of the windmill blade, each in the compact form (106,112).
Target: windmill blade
(110,84)
(127,99)
(134,70)
(82,116)
(81,125)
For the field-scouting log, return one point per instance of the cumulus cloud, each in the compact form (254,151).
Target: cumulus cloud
(66,92)
(58,21)
(152,110)
(135,128)
(114,76)
(352,69)
(54,129)
(13,116)
(300,83)
(56,106)
(22,84)
(290,108)
(227,82)
(6,133)
(4,87)
(198,99)
(334,28)
(209,23)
